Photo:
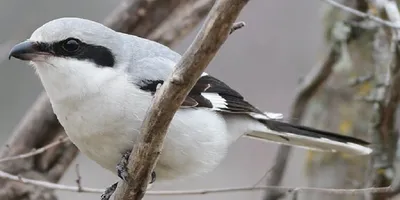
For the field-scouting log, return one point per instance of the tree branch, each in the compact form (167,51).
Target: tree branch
(363,14)
(169,97)
(140,17)
(181,21)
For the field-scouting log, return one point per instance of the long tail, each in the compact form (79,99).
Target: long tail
(306,137)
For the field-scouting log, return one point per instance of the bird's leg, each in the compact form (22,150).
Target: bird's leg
(109,191)
(122,168)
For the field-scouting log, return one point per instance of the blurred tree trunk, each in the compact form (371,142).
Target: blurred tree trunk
(362,109)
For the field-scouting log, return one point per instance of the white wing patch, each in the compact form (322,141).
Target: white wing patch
(267,115)
(258,116)
(272,115)
(219,102)
(216,100)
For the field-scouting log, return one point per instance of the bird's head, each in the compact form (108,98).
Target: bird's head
(69,41)
(73,53)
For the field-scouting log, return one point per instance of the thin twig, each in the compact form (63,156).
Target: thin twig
(49,185)
(265,175)
(62,187)
(276,188)
(37,151)
(316,77)
(362,14)
(78,178)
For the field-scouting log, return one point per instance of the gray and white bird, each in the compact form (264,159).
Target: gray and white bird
(101,82)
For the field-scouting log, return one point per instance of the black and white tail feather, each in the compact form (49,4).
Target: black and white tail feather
(212,93)
(310,138)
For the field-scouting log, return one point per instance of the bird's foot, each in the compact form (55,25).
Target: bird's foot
(109,191)
(153,177)
(122,166)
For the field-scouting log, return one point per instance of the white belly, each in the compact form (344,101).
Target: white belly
(109,125)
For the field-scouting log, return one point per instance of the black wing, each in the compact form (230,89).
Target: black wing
(211,93)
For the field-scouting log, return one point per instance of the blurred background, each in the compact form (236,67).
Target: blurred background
(264,61)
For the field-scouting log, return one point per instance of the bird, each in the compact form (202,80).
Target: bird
(101,82)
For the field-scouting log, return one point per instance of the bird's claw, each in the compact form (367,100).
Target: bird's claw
(122,169)
(109,191)
(153,177)
(122,166)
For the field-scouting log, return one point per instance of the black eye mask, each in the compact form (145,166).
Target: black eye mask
(74,48)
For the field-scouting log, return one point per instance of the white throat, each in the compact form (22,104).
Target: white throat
(68,80)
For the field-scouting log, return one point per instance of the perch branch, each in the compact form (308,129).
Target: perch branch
(169,97)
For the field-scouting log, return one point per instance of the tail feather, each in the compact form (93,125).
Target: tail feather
(311,138)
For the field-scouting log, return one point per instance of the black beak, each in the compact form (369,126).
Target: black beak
(27,50)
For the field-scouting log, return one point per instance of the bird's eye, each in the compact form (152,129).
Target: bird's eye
(71,45)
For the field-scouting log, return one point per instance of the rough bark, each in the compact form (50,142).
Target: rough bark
(40,126)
